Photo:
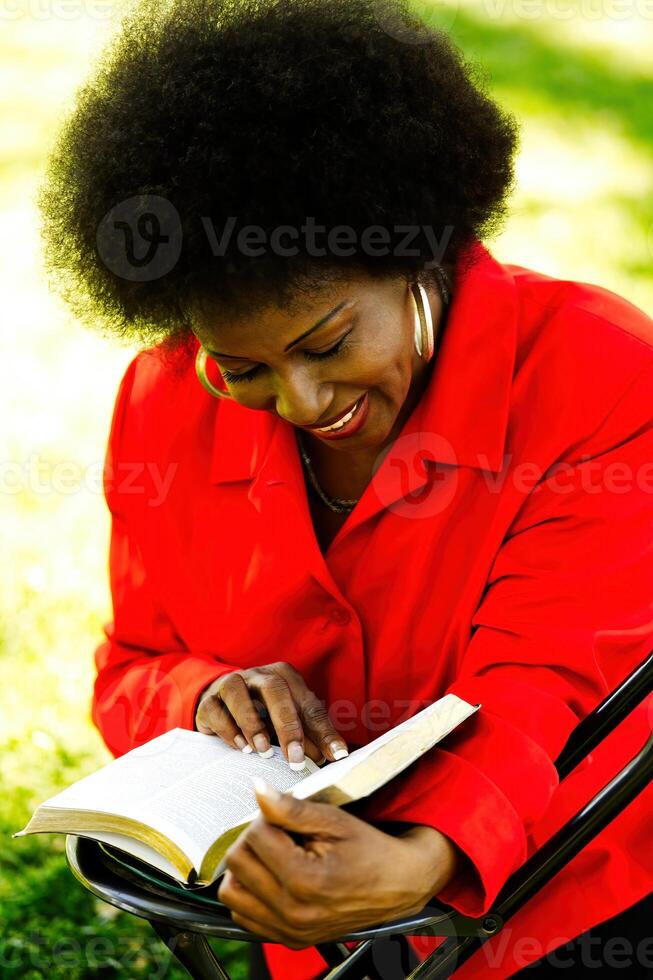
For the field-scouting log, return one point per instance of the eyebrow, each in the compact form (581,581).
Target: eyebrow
(316,326)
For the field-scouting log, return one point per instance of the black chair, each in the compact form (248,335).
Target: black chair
(184,921)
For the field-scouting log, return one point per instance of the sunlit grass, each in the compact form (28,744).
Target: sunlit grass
(582,209)
(610,200)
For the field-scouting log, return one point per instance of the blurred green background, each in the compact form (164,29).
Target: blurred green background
(579,75)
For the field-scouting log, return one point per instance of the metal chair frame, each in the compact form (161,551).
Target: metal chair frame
(184,924)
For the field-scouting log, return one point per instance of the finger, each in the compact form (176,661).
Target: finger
(248,911)
(312,751)
(235,694)
(258,918)
(251,873)
(318,725)
(235,894)
(238,900)
(315,720)
(274,848)
(214,719)
(284,717)
(297,816)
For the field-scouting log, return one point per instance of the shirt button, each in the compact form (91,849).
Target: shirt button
(341,617)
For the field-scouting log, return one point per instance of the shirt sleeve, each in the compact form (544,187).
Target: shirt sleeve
(566,615)
(147,681)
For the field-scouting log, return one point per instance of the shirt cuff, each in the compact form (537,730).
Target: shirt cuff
(198,675)
(453,796)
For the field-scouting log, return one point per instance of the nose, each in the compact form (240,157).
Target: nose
(301,401)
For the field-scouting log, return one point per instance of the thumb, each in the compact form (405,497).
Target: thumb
(298,816)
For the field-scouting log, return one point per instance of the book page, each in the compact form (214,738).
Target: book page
(189,786)
(215,798)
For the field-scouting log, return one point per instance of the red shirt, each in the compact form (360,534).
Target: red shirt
(502,551)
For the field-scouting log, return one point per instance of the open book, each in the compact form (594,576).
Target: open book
(178,801)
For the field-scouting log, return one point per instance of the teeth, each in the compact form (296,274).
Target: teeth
(342,421)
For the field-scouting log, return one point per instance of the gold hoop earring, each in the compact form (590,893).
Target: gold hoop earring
(424,337)
(200,369)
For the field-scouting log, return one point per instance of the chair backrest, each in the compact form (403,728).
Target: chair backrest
(606,716)
(575,834)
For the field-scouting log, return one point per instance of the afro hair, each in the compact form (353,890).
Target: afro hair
(205,115)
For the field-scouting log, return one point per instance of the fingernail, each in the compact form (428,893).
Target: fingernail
(338,750)
(247,749)
(261,743)
(296,758)
(240,742)
(265,789)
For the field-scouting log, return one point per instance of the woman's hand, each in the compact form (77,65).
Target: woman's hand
(299,719)
(346,875)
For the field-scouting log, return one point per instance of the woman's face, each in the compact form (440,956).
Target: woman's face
(349,346)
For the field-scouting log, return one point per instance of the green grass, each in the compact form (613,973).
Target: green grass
(582,209)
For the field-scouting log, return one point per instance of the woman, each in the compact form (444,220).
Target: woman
(359,463)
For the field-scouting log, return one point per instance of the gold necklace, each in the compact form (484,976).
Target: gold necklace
(335,504)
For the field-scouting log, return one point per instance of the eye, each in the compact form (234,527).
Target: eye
(320,355)
(311,355)
(234,378)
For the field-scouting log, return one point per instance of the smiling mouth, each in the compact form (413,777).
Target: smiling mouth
(340,422)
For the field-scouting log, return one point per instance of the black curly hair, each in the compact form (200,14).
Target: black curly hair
(265,113)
